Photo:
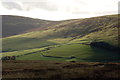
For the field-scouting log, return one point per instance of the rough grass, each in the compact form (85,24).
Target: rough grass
(108,35)
(60,40)
(59,70)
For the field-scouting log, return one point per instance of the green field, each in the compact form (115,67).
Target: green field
(38,56)
(80,52)
(15,44)
(21,52)
(83,53)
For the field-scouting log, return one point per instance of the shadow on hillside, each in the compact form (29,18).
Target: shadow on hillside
(104,54)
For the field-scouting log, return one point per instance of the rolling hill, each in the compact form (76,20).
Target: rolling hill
(14,25)
(66,39)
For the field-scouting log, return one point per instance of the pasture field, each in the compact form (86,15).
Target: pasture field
(16,44)
(38,56)
(83,52)
(22,52)
(67,52)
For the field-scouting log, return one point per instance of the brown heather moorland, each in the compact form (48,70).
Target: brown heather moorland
(58,70)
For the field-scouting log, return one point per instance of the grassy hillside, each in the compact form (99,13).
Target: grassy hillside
(15,44)
(14,25)
(70,36)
